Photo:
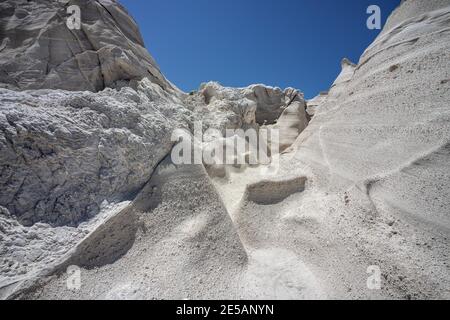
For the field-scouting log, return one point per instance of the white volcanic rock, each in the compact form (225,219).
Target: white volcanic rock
(28,253)
(292,121)
(377,150)
(364,185)
(312,104)
(255,104)
(252,107)
(347,71)
(346,74)
(25,250)
(64,153)
(337,88)
(38,50)
(158,247)
(271,102)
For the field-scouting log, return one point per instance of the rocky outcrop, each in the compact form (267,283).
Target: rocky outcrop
(252,105)
(63,154)
(38,50)
(85,178)
(292,121)
(312,104)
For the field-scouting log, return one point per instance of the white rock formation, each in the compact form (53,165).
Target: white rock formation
(375,157)
(85,177)
(160,246)
(378,153)
(312,104)
(64,153)
(256,104)
(292,121)
(38,50)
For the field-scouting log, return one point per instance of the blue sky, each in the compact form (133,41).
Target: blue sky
(284,43)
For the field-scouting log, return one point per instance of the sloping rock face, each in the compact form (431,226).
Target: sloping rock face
(175,240)
(38,50)
(346,74)
(380,143)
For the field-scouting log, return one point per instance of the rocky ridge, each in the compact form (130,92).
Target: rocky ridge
(363,176)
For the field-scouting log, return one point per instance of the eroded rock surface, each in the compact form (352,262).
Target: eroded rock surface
(38,50)
(378,142)
(243,107)
(64,153)
(159,246)
(83,181)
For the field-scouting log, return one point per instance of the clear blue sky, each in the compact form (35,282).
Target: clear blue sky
(297,43)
